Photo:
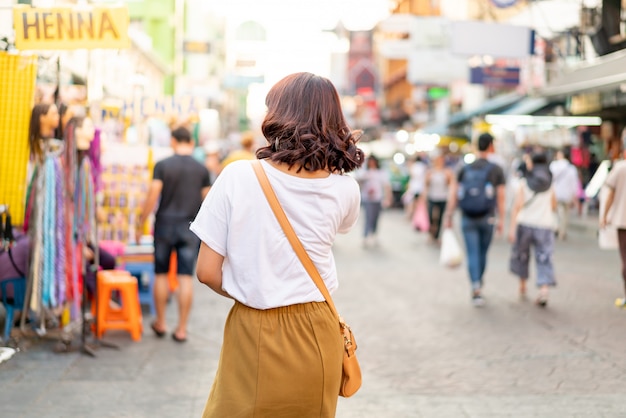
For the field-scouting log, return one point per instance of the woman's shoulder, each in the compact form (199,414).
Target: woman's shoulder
(239,165)
(346,183)
(347,179)
(236,169)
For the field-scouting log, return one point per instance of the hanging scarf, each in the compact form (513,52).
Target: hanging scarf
(47,231)
(69,164)
(94,155)
(85,204)
(49,235)
(36,234)
(60,263)
(30,198)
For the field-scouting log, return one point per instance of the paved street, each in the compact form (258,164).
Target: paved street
(424,349)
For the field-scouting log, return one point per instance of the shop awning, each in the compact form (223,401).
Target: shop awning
(435,128)
(605,73)
(494,105)
(531,106)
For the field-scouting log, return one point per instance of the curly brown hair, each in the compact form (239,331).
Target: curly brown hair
(305,126)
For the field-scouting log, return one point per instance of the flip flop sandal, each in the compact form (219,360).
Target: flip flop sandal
(177,339)
(157,331)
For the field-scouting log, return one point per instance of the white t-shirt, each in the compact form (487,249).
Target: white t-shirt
(261,269)
(617,181)
(537,211)
(373,183)
(564,180)
(417,173)
(438,186)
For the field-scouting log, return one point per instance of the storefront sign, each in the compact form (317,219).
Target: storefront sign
(499,40)
(615,98)
(163,107)
(70,28)
(585,103)
(495,76)
(196,47)
(504,3)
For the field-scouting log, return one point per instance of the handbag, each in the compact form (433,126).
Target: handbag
(351,373)
(420,217)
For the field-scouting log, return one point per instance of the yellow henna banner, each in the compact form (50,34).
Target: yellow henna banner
(71,28)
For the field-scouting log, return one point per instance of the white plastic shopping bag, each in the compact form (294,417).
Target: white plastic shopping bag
(451,254)
(607,236)
(598,179)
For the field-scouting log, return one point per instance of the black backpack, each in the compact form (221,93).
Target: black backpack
(476,195)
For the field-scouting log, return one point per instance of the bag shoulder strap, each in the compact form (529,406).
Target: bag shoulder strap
(486,170)
(14,264)
(291,234)
(483,171)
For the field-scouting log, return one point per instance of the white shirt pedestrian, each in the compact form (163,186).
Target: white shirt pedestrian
(565,182)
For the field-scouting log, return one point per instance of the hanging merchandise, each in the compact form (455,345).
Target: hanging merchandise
(47,272)
(8,228)
(85,204)
(124,187)
(70,180)
(3,241)
(17,89)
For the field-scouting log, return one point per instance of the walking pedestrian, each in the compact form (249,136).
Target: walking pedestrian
(375,195)
(532,226)
(479,191)
(565,179)
(614,212)
(417,174)
(246,152)
(282,351)
(212,160)
(181,183)
(436,190)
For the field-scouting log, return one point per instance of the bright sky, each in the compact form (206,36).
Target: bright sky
(294,28)
(324,14)
(296,41)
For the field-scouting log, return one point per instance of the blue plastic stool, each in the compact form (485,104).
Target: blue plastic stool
(144,272)
(18,285)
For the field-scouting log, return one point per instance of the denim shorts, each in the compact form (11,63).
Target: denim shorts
(175,236)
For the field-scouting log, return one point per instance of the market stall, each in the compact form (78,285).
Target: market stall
(50,180)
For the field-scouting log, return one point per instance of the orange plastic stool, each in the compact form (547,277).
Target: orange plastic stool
(128,316)
(172,274)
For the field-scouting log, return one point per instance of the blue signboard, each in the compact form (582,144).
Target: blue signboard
(495,76)
(504,3)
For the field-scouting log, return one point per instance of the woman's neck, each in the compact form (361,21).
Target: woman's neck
(293,171)
(47,132)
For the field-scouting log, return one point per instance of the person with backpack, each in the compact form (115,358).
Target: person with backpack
(533,222)
(479,192)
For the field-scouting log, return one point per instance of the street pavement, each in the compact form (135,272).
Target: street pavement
(425,351)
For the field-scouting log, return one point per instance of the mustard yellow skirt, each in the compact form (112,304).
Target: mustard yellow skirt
(282,362)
